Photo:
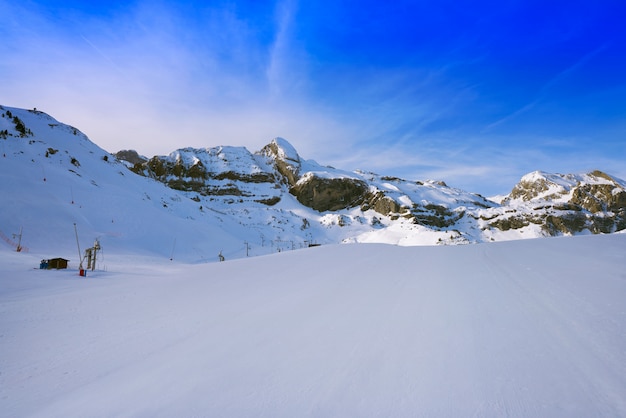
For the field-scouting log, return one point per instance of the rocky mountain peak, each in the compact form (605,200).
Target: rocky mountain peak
(285,157)
(281,149)
(542,186)
(131,156)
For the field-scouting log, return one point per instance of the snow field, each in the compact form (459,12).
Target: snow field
(523,328)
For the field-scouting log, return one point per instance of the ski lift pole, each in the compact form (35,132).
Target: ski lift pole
(80,264)
(19,241)
(173,247)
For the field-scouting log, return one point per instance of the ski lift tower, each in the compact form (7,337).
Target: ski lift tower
(91,255)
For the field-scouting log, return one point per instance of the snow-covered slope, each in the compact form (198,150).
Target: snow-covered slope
(516,329)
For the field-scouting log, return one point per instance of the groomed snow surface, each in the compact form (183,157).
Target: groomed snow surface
(522,328)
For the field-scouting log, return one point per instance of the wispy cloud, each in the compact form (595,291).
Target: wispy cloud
(543,92)
(526,108)
(281,68)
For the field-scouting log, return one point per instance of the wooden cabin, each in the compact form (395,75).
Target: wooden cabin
(57,263)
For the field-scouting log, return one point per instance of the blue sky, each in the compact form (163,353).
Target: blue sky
(473,93)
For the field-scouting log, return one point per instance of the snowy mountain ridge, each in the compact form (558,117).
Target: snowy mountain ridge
(194,203)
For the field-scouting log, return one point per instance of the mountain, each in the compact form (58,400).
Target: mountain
(195,203)
(594,202)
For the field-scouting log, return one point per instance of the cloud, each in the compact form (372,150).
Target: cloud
(543,92)
(283,67)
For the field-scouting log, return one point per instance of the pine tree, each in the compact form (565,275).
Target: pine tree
(19,126)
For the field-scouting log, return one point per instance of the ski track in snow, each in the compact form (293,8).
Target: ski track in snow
(524,328)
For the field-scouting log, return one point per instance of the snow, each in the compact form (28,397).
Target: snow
(286,151)
(534,176)
(326,174)
(391,187)
(523,328)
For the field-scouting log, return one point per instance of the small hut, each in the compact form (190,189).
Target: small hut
(57,263)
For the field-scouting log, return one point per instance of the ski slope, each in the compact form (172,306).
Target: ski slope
(518,329)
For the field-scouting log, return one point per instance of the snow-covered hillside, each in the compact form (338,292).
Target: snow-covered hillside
(516,329)
(54,177)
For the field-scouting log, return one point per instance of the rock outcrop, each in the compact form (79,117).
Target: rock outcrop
(566,203)
(329,194)
(130,156)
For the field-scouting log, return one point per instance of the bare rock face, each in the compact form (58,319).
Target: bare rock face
(599,197)
(381,203)
(328,194)
(130,156)
(319,193)
(592,197)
